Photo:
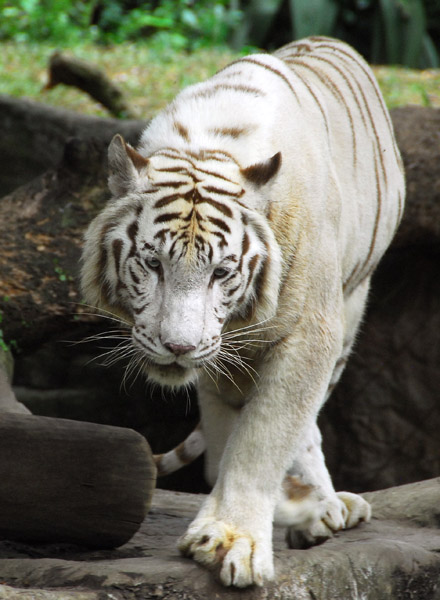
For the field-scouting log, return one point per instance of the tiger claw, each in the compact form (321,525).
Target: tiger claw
(241,560)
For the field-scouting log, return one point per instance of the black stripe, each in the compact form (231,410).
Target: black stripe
(274,71)
(309,88)
(216,190)
(132,231)
(218,205)
(117,250)
(214,174)
(349,58)
(233,290)
(210,252)
(133,275)
(171,184)
(221,236)
(220,224)
(167,200)
(161,234)
(251,266)
(334,89)
(167,217)
(182,131)
(213,90)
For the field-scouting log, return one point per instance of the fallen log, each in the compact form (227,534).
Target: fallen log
(71,71)
(74,482)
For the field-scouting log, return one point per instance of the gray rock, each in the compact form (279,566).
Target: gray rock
(396,556)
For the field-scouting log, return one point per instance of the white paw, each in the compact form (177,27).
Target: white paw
(358,509)
(343,511)
(242,560)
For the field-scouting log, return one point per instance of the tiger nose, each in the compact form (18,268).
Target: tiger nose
(178,349)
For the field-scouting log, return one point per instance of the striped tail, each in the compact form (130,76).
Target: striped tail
(183,454)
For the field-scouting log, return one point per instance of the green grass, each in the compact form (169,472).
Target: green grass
(151,79)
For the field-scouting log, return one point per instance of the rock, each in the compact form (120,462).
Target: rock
(34,136)
(396,556)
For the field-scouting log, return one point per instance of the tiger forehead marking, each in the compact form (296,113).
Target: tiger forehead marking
(196,202)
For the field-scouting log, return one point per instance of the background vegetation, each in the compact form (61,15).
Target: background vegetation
(148,47)
(385,31)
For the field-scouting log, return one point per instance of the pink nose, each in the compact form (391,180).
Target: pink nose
(178,349)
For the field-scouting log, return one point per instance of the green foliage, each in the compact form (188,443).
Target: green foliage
(310,17)
(175,24)
(5,346)
(385,31)
(61,273)
(61,21)
(400,34)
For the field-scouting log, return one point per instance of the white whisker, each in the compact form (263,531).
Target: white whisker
(221,368)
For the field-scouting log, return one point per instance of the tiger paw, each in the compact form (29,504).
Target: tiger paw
(241,559)
(343,511)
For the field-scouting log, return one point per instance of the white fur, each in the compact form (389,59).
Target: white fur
(318,225)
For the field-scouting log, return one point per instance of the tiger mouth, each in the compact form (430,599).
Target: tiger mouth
(172,367)
(172,375)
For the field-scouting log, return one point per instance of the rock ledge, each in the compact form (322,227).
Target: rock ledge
(396,556)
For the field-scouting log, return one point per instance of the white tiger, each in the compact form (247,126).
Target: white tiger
(239,246)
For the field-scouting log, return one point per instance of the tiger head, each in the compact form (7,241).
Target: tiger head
(182,249)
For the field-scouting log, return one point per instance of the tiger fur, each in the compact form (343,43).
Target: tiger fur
(239,247)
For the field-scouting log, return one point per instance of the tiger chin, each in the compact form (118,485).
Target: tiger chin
(239,244)
(171,376)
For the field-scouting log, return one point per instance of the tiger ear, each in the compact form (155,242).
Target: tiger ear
(125,166)
(261,173)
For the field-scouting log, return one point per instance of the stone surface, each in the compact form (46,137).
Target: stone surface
(396,556)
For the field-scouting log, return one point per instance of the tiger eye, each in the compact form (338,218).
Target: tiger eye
(153,262)
(220,272)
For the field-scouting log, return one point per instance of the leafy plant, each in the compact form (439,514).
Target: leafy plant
(5,346)
(61,21)
(400,34)
(385,31)
(177,24)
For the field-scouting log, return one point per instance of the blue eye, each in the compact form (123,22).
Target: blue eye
(153,262)
(220,272)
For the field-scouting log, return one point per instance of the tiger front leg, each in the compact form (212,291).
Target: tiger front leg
(227,535)
(233,530)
